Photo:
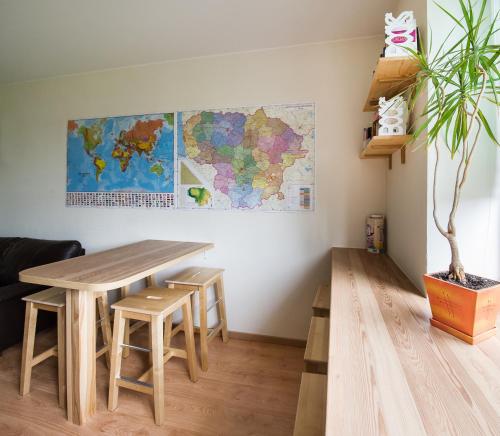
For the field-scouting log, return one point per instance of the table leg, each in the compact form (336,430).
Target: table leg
(80,355)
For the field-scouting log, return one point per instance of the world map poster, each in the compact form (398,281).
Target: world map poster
(254,158)
(121,161)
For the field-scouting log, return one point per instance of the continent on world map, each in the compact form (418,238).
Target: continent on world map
(141,138)
(92,138)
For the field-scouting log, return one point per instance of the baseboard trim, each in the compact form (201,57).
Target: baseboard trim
(242,336)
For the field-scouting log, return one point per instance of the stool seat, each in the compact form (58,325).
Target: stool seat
(153,301)
(196,276)
(55,297)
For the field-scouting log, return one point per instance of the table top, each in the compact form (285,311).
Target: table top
(390,372)
(112,269)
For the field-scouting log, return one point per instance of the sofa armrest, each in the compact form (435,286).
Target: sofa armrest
(28,252)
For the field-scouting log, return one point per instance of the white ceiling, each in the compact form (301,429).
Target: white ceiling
(43,38)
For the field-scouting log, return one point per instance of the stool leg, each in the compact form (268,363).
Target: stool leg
(61,355)
(203,328)
(124,291)
(169,332)
(167,337)
(221,307)
(192,306)
(150,341)
(28,346)
(107,337)
(116,359)
(158,380)
(151,282)
(189,334)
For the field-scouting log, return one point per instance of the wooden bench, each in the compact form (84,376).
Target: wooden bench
(321,303)
(316,354)
(311,408)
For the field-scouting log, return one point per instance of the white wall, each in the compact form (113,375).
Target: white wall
(478,217)
(407,190)
(274,260)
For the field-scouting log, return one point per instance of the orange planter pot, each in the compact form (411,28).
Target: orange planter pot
(465,313)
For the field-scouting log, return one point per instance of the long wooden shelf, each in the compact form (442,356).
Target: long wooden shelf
(390,371)
(391,76)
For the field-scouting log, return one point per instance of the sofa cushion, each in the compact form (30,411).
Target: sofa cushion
(4,278)
(5,244)
(27,253)
(18,290)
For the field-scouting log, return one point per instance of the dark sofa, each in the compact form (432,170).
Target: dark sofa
(17,254)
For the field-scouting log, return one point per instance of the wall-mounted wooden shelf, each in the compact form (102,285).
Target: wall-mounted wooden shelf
(385,146)
(391,76)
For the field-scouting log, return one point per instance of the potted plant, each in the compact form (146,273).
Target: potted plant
(459,79)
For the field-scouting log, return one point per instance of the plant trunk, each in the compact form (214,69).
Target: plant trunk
(456,268)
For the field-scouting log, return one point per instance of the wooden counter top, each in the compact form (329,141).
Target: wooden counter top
(389,371)
(112,269)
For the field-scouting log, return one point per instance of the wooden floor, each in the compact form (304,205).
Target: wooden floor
(251,388)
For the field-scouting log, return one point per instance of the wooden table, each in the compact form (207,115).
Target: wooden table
(390,372)
(81,277)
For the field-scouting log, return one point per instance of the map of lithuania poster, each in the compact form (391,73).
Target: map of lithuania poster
(121,161)
(254,158)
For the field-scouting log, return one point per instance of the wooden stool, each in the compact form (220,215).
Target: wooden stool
(310,418)
(54,300)
(321,303)
(199,279)
(152,305)
(316,354)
